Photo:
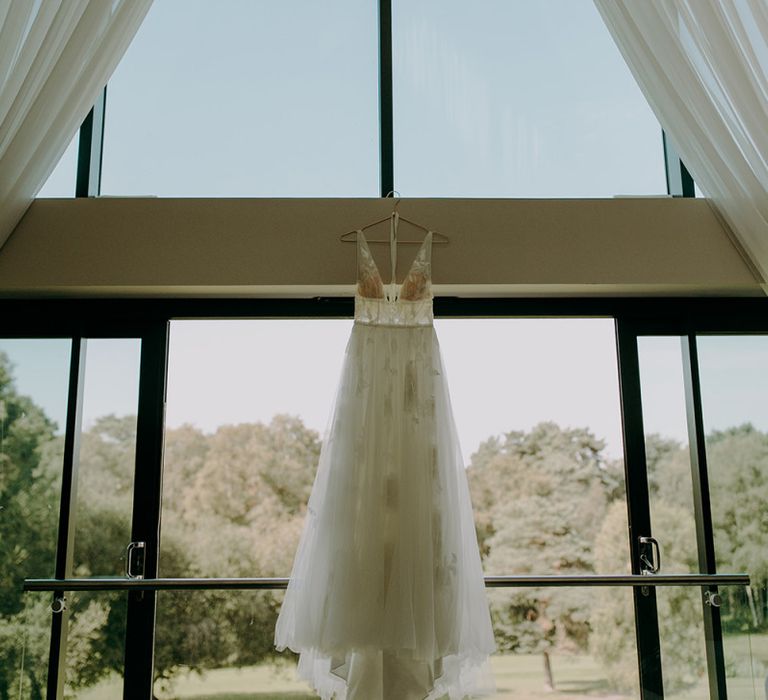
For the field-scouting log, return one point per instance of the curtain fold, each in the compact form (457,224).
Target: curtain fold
(55,58)
(703,67)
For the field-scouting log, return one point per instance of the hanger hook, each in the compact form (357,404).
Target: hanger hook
(396,196)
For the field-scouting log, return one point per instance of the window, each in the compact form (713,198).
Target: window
(517,99)
(246,99)
(247,404)
(548,383)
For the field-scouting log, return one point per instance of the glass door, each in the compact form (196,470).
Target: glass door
(76,416)
(694,441)
(682,635)
(93,644)
(733,376)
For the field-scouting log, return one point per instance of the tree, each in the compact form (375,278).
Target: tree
(234,505)
(679,608)
(738,479)
(29,450)
(612,619)
(560,486)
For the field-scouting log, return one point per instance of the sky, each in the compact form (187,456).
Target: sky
(500,98)
(502,375)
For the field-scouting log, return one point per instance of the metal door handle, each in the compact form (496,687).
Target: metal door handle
(653,565)
(134,565)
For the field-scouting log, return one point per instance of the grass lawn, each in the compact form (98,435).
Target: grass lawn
(518,677)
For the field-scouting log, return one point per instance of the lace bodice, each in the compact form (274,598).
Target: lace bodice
(407,304)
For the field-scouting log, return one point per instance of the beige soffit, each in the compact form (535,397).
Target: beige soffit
(291,247)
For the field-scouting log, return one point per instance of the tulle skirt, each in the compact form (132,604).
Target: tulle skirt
(386,598)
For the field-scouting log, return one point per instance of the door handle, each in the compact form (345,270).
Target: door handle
(134,559)
(650,555)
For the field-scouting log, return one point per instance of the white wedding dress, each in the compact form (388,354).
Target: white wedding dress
(386,599)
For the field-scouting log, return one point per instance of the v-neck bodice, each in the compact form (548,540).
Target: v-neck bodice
(407,304)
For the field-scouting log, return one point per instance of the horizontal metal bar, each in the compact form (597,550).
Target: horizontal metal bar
(619,580)
(181,584)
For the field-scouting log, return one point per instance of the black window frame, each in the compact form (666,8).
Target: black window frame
(149,319)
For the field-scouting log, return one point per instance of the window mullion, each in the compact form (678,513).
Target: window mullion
(145,521)
(66,531)
(386,137)
(638,507)
(703,513)
(679,180)
(91,150)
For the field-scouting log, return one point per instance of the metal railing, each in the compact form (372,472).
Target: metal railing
(181,584)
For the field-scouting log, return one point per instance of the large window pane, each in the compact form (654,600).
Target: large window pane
(734,386)
(107,456)
(667,453)
(681,622)
(244,98)
(517,99)
(536,405)
(33,402)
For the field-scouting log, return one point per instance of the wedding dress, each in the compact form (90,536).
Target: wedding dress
(386,600)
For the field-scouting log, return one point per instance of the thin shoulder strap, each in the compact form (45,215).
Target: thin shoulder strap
(362,263)
(417,284)
(425,252)
(366,265)
(424,255)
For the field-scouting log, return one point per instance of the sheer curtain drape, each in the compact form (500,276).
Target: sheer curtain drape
(703,66)
(55,57)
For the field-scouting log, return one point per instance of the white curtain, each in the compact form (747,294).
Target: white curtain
(703,67)
(55,58)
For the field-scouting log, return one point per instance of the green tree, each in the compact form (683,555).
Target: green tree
(613,622)
(29,453)
(234,506)
(544,524)
(679,608)
(738,478)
